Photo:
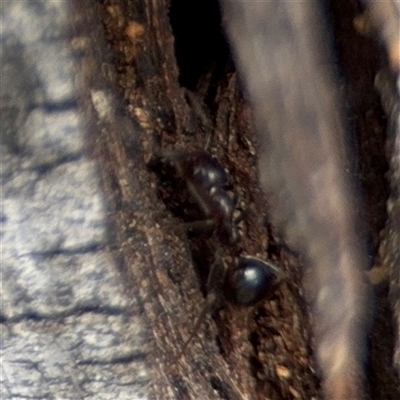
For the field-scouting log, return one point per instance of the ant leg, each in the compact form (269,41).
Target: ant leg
(208,141)
(209,307)
(166,155)
(182,229)
(205,225)
(200,110)
(216,274)
(155,150)
(240,217)
(160,154)
(214,281)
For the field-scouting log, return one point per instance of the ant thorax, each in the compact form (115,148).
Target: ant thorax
(209,184)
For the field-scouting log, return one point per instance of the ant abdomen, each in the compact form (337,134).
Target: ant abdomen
(251,281)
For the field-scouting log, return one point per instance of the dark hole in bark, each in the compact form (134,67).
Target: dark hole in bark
(200,42)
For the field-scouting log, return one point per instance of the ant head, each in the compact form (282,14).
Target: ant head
(251,281)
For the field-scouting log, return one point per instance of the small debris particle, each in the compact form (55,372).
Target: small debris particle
(283,372)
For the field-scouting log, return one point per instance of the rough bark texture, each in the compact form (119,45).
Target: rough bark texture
(101,283)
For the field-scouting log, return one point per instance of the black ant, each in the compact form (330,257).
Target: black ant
(251,280)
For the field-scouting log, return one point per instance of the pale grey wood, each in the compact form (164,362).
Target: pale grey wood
(68,329)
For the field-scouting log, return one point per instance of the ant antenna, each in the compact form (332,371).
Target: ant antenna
(209,306)
(208,141)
